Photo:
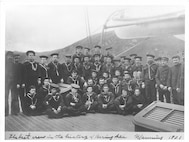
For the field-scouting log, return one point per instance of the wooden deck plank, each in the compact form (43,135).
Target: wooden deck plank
(90,122)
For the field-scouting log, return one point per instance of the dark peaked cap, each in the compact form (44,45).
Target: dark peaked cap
(54,54)
(150,55)
(30,51)
(43,56)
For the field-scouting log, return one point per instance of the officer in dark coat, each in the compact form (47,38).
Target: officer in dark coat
(162,80)
(31,71)
(148,77)
(8,78)
(17,90)
(67,68)
(174,85)
(55,70)
(43,69)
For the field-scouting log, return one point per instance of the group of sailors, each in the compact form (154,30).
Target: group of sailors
(98,83)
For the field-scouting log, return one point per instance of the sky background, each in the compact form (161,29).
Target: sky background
(49,27)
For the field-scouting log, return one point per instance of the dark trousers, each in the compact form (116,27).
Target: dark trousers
(94,107)
(8,88)
(109,108)
(126,110)
(150,91)
(165,93)
(51,113)
(15,109)
(178,98)
(73,111)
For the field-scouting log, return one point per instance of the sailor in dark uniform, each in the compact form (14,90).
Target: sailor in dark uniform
(100,85)
(67,68)
(107,78)
(122,61)
(115,86)
(90,82)
(106,100)
(43,69)
(55,69)
(87,66)
(94,76)
(108,66)
(77,65)
(43,91)
(31,107)
(31,71)
(127,65)
(137,67)
(73,101)
(87,52)
(78,53)
(138,101)
(90,100)
(158,61)
(75,79)
(55,103)
(132,56)
(148,77)
(97,50)
(109,52)
(97,65)
(123,103)
(126,81)
(117,66)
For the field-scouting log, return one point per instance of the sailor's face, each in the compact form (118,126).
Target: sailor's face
(46,82)
(108,60)
(137,61)
(32,91)
(90,82)
(89,89)
(176,61)
(105,89)
(74,74)
(68,60)
(101,81)
(31,56)
(117,73)
(76,60)
(55,58)
(150,59)
(43,61)
(124,93)
(164,62)
(137,92)
(94,74)
(86,59)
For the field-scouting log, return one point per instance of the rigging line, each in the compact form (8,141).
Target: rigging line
(86,27)
(88,23)
(132,47)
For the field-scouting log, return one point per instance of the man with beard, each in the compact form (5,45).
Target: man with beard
(148,77)
(174,85)
(43,69)
(31,71)
(67,68)
(55,69)
(78,53)
(97,65)
(77,65)
(108,66)
(87,66)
